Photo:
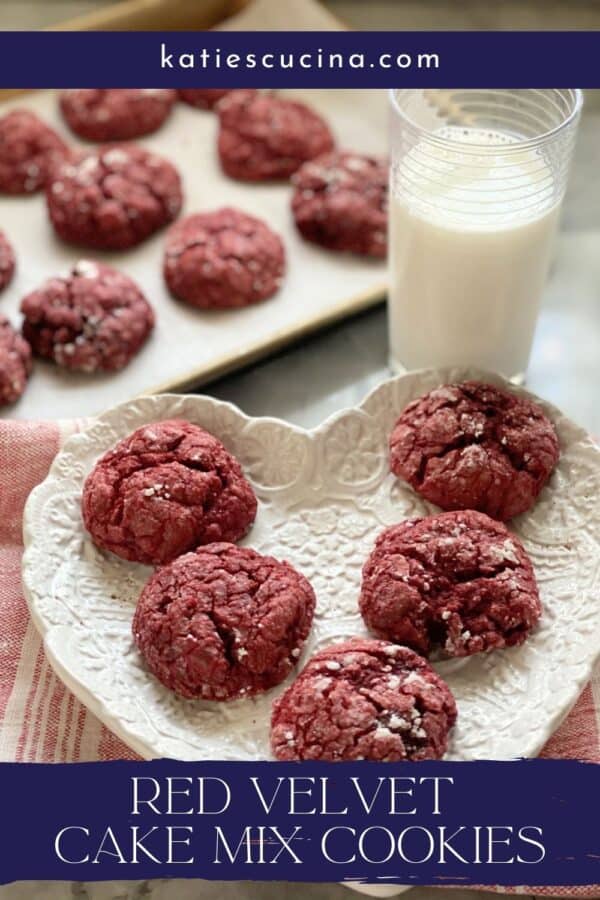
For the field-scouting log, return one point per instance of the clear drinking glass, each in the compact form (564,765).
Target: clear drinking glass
(476,184)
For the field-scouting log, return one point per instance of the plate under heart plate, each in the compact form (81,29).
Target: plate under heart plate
(324,495)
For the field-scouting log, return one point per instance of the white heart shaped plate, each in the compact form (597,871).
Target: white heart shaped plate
(323,497)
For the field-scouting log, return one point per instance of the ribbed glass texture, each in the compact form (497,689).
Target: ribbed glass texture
(476,183)
(437,133)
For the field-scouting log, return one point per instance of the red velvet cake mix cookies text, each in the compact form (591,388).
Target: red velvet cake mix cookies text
(223,622)
(15,363)
(167,488)
(475,446)
(7,261)
(113,198)
(116,114)
(340,202)
(364,699)
(93,319)
(29,151)
(458,582)
(263,137)
(223,259)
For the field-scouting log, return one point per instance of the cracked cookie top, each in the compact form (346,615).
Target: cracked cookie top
(164,490)
(340,202)
(223,259)
(459,583)
(116,114)
(475,446)
(29,151)
(264,137)
(364,699)
(93,319)
(113,198)
(223,622)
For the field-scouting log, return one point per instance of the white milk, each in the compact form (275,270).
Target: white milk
(471,238)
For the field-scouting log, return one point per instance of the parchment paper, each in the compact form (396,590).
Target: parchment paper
(318,282)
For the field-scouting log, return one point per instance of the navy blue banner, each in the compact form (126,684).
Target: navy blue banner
(508,823)
(345,59)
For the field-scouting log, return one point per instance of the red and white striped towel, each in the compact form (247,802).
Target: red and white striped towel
(41,721)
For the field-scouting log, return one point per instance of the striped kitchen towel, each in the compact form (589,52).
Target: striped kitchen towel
(40,719)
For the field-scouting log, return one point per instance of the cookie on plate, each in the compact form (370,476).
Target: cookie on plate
(223,622)
(163,490)
(263,137)
(364,699)
(114,197)
(15,363)
(340,202)
(116,114)
(201,98)
(223,259)
(459,583)
(93,319)
(475,446)
(7,261)
(29,151)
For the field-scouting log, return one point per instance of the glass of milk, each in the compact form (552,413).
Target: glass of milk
(476,184)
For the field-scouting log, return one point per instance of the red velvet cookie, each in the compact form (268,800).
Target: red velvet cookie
(475,446)
(113,198)
(364,699)
(94,319)
(201,98)
(7,261)
(458,582)
(29,151)
(15,363)
(223,259)
(263,137)
(340,202)
(164,490)
(116,114)
(223,622)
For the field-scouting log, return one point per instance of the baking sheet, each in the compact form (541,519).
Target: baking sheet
(190,346)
